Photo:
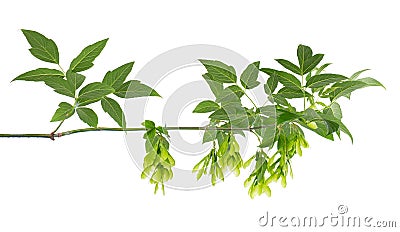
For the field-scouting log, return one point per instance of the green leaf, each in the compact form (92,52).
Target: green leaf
(112,108)
(283,181)
(249,76)
(134,89)
(64,111)
(285,78)
(330,116)
(75,80)
(66,86)
(269,110)
(367,80)
(308,76)
(307,62)
(238,117)
(228,98)
(206,106)
(344,88)
(336,110)
(289,66)
(265,128)
(303,53)
(210,134)
(322,68)
(357,74)
(271,84)
(343,128)
(236,90)
(325,125)
(88,116)
(330,122)
(61,86)
(93,92)
(162,130)
(219,115)
(40,74)
(118,76)
(41,47)
(311,115)
(216,87)
(280,100)
(371,82)
(325,79)
(311,63)
(149,124)
(284,116)
(292,93)
(269,71)
(219,71)
(288,80)
(236,114)
(85,59)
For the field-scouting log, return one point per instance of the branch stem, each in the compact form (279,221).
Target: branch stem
(53,135)
(304,92)
(251,100)
(58,127)
(61,69)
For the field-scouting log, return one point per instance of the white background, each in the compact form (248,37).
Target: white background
(88,182)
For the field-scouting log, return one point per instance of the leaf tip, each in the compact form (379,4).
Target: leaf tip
(24,31)
(155,94)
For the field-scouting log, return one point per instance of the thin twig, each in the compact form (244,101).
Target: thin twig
(53,135)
